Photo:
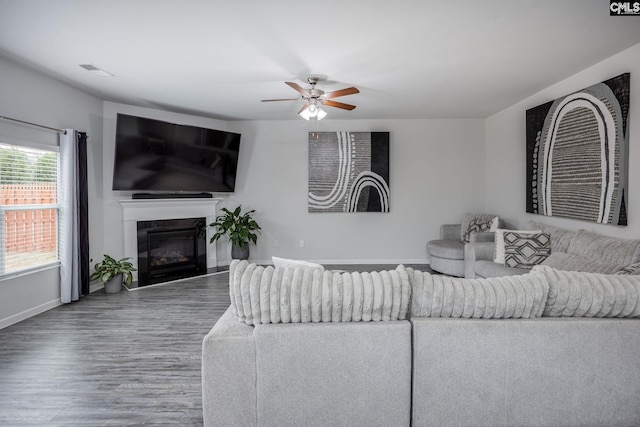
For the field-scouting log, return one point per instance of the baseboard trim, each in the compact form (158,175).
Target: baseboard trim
(24,315)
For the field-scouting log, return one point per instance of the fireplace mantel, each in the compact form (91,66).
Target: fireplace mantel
(135,210)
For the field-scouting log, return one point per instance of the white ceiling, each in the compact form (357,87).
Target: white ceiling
(409,58)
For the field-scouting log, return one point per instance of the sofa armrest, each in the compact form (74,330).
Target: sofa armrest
(229,374)
(450,231)
(475,252)
(482,236)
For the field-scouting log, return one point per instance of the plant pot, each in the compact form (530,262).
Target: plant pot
(240,253)
(114,285)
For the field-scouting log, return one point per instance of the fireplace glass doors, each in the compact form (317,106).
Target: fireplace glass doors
(171,249)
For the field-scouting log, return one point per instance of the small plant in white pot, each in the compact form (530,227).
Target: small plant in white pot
(113,273)
(240,228)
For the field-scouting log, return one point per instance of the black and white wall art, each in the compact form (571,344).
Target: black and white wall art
(348,172)
(577,154)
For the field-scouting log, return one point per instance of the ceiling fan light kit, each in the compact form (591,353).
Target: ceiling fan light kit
(312,111)
(316,97)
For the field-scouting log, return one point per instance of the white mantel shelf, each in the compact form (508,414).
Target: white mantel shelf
(135,210)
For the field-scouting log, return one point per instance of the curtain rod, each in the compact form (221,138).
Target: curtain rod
(33,124)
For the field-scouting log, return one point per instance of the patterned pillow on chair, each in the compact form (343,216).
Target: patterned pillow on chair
(477,222)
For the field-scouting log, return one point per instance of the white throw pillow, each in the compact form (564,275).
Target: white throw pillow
(499,252)
(295,263)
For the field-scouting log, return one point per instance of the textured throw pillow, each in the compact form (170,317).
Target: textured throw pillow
(477,222)
(580,294)
(520,296)
(524,250)
(632,269)
(560,238)
(605,249)
(569,262)
(498,255)
(294,263)
(261,295)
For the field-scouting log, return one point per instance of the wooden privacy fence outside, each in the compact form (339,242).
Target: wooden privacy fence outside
(30,230)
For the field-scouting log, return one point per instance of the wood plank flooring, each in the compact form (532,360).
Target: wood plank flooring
(126,359)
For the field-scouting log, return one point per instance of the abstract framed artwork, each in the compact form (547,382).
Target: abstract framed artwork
(577,154)
(348,172)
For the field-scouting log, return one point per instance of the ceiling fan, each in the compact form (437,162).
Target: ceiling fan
(316,97)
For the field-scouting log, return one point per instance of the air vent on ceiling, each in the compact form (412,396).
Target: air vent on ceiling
(96,70)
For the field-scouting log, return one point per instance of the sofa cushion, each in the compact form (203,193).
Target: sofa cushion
(498,255)
(581,294)
(477,222)
(524,250)
(499,297)
(486,269)
(605,249)
(294,263)
(449,249)
(560,238)
(570,262)
(262,295)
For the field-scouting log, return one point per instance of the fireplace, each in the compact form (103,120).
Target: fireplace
(154,210)
(171,249)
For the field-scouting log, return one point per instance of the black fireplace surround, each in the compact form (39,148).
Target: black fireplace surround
(171,249)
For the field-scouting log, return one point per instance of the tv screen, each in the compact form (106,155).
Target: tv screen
(152,155)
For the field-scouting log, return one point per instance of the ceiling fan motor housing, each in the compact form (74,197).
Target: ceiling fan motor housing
(315,93)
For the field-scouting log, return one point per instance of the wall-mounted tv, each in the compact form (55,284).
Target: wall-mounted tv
(156,156)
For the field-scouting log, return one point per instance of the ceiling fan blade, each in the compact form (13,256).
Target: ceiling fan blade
(282,99)
(299,88)
(341,92)
(304,107)
(339,105)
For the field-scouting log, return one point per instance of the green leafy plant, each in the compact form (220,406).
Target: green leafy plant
(240,228)
(108,268)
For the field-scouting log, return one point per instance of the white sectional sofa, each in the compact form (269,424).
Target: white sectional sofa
(404,347)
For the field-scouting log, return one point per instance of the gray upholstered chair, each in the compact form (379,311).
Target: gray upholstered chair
(447,254)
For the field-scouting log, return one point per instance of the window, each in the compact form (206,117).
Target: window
(29,208)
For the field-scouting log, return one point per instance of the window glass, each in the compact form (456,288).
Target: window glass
(28,208)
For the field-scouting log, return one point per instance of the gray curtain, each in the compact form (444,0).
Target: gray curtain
(74,236)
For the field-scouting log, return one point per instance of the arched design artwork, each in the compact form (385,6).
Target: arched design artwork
(577,154)
(348,172)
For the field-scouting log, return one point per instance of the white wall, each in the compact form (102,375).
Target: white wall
(505,153)
(30,96)
(436,174)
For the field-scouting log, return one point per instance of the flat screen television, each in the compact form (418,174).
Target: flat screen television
(156,156)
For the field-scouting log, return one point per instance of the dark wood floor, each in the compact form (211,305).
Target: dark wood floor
(125,359)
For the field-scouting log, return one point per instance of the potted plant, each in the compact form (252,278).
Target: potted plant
(239,228)
(113,273)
